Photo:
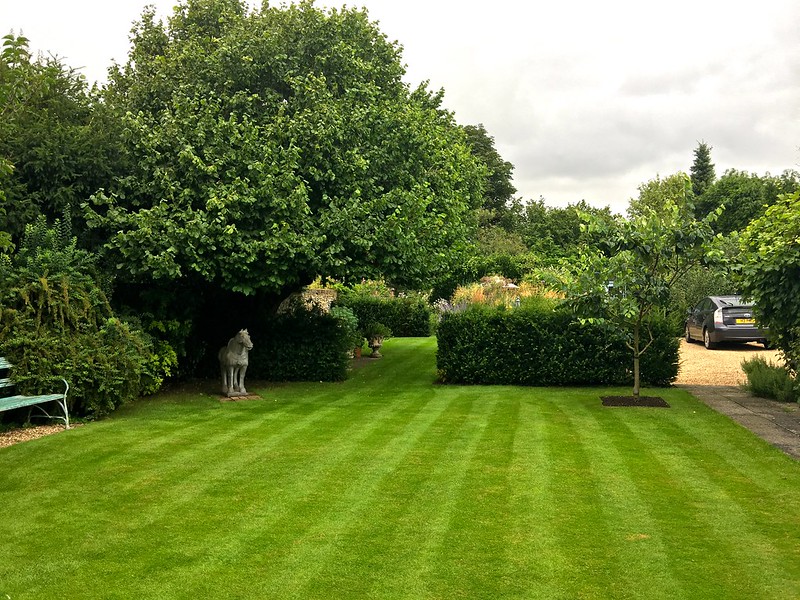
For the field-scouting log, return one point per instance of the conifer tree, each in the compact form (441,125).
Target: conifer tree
(702,172)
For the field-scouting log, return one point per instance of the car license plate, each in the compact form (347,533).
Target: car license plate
(745,321)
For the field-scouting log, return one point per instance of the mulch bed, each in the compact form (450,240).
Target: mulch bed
(24,434)
(646,401)
(357,363)
(238,398)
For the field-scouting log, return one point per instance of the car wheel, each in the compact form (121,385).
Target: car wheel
(688,335)
(767,344)
(707,340)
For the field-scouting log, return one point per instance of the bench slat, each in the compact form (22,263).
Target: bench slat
(18,401)
(12,402)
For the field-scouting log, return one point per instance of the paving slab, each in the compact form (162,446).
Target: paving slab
(778,423)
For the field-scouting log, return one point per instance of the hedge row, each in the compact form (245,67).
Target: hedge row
(302,345)
(533,347)
(406,317)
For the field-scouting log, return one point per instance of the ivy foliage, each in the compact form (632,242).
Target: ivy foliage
(272,146)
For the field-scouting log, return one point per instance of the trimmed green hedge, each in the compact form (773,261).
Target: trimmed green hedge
(534,347)
(301,345)
(406,317)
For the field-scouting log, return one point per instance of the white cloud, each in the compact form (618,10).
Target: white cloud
(587,99)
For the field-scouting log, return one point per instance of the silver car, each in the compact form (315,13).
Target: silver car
(718,319)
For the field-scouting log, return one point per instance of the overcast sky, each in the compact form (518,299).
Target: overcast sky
(586,99)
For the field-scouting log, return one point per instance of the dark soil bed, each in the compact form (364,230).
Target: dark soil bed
(648,401)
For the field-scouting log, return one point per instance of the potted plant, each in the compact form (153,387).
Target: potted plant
(375,333)
(358,342)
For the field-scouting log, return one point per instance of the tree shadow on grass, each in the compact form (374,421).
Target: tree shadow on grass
(645,401)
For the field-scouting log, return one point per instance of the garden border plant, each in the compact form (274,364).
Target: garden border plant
(56,321)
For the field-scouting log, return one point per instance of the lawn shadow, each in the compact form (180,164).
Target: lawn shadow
(643,401)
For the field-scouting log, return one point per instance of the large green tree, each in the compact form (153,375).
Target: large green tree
(659,194)
(57,145)
(770,272)
(499,190)
(554,232)
(745,197)
(274,146)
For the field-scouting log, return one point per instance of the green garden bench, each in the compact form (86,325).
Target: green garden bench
(12,402)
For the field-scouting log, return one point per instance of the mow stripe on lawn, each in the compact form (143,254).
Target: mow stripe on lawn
(389,485)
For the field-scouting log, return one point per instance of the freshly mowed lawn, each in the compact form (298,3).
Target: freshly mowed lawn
(390,486)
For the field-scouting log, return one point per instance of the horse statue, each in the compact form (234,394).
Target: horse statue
(233,363)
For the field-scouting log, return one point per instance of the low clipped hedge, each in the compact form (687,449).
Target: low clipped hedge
(406,317)
(545,348)
(300,345)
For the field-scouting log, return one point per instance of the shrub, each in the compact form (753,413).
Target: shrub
(495,290)
(348,322)
(104,367)
(535,345)
(768,380)
(302,344)
(55,321)
(473,268)
(375,330)
(408,316)
(770,273)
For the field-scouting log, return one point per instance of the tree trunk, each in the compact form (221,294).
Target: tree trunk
(636,355)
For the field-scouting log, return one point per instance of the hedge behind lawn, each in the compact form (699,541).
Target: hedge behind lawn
(300,345)
(406,317)
(544,348)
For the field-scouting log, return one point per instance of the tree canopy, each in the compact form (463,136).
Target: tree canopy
(745,197)
(658,194)
(270,147)
(629,283)
(499,190)
(770,272)
(56,146)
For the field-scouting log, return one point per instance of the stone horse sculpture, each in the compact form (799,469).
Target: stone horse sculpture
(233,363)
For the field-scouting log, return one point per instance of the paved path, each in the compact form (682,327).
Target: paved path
(776,422)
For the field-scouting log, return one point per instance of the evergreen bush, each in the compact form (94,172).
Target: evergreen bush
(768,380)
(104,367)
(303,344)
(406,316)
(56,321)
(348,323)
(533,345)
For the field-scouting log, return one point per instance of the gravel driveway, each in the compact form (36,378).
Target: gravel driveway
(721,366)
